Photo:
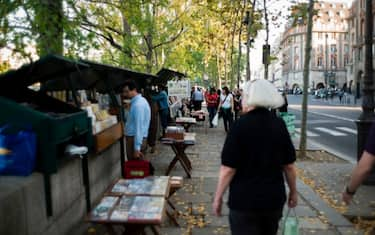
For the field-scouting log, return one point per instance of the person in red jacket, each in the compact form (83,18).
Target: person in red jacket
(211,100)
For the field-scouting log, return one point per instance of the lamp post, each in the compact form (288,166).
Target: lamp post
(366,118)
(326,67)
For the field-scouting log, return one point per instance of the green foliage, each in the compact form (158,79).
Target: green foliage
(198,37)
(299,13)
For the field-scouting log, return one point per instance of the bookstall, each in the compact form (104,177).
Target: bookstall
(67,102)
(179,141)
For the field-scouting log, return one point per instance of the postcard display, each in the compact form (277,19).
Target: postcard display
(134,200)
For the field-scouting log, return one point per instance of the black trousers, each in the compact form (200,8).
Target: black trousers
(227,118)
(255,222)
(197,105)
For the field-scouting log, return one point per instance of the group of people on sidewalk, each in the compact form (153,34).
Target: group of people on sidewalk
(257,156)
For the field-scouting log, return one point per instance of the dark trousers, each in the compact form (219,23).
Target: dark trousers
(211,112)
(254,223)
(164,118)
(227,118)
(197,105)
(130,147)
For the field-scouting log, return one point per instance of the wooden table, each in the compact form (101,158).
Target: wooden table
(179,147)
(186,122)
(154,186)
(200,116)
(134,213)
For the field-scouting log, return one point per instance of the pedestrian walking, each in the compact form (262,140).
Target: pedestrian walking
(284,107)
(197,98)
(211,100)
(138,121)
(341,94)
(237,104)
(226,108)
(363,168)
(218,92)
(258,151)
(161,98)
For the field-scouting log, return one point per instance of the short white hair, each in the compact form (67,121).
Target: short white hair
(261,93)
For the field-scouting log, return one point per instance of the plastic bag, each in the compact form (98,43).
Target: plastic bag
(17,152)
(291,224)
(215,120)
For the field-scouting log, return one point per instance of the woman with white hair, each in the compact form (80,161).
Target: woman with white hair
(258,151)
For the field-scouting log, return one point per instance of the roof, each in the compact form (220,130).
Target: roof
(100,77)
(42,70)
(165,75)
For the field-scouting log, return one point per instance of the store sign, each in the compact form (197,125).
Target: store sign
(181,89)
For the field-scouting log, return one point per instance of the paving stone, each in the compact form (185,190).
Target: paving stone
(349,231)
(312,223)
(211,231)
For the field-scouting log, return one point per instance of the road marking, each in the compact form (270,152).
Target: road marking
(308,133)
(347,129)
(339,154)
(329,131)
(325,115)
(309,121)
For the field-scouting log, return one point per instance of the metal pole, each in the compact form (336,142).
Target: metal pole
(367,116)
(326,70)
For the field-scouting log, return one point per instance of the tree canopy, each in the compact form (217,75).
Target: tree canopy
(199,38)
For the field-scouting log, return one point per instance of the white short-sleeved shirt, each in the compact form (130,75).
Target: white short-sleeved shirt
(227,101)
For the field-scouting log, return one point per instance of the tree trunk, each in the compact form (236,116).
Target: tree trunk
(127,55)
(149,53)
(240,49)
(267,53)
(306,74)
(225,65)
(49,25)
(232,46)
(218,70)
(248,44)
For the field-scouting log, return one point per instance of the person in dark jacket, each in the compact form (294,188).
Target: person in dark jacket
(258,151)
(284,108)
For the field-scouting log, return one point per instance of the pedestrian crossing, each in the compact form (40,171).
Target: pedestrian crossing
(338,131)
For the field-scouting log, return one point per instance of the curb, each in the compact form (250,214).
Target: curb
(338,221)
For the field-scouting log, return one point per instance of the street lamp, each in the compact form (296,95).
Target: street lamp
(326,67)
(366,118)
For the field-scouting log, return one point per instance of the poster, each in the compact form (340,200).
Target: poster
(180,89)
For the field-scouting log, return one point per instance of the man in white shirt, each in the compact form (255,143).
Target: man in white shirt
(197,98)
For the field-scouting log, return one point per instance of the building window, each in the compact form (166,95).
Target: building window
(333,61)
(346,36)
(346,59)
(333,49)
(319,61)
(320,35)
(346,55)
(296,58)
(360,54)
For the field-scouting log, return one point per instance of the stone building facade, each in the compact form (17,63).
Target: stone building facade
(330,53)
(355,68)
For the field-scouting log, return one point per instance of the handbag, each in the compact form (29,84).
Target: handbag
(215,120)
(291,223)
(136,169)
(17,152)
(221,111)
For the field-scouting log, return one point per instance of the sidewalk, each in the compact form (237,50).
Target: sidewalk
(316,216)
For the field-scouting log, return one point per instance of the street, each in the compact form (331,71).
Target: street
(330,126)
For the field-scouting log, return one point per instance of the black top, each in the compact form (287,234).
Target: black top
(257,146)
(370,145)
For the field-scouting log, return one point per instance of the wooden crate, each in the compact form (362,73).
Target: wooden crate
(109,136)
